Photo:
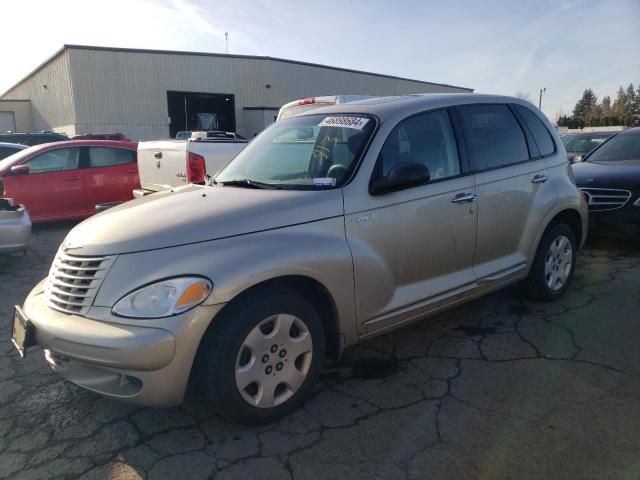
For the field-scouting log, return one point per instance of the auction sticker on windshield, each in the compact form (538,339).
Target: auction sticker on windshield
(357,123)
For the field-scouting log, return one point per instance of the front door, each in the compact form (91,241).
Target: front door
(53,189)
(512,188)
(413,248)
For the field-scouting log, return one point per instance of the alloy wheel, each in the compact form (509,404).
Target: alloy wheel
(558,263)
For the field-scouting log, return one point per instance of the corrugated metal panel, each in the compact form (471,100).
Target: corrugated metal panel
(49,90)
(127,91)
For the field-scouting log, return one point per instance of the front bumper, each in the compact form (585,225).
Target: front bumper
(15,230)
(147,363)
(624,218)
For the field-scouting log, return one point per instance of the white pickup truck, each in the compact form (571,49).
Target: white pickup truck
(171,163)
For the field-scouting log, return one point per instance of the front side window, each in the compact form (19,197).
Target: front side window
(304,152)
(494,136)
(56,160)
(108,157)
(540,133)
(426,139)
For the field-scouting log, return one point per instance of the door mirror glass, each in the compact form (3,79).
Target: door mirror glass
(20,170)
(403,175)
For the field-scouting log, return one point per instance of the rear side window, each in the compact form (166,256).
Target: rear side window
(494,136)
(426,139)
(107,157)
(540,133)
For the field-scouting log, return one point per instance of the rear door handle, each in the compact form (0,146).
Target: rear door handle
(72,179)
(464,198)
(539,179)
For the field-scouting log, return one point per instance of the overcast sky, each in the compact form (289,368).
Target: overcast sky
(493,46)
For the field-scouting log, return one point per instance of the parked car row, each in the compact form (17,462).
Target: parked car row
(578,145)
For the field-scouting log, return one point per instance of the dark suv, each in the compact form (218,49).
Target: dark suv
(32,138)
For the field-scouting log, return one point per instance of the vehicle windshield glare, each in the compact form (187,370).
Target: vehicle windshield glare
(306,152)
(619,148)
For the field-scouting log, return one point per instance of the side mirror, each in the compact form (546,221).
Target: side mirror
(19,170)
(403,175)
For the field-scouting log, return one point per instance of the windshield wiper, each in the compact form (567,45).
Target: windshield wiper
(248,183)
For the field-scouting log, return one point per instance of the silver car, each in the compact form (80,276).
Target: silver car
(329,228)
(15,227)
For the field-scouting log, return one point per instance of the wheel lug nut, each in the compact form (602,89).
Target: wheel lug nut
(274,348)
(279,366)
(265,358)
(283,353)
(268,370)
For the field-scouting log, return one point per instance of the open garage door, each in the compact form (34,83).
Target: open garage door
(201,111)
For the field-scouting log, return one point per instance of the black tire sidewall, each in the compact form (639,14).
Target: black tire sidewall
(536,283)
(220,350)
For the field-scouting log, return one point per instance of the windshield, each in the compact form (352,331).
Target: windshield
(583,144)
(620,147)
(308,152)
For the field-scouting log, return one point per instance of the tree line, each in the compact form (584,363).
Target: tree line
(588,112)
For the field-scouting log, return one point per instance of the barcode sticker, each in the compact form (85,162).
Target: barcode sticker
(357,123)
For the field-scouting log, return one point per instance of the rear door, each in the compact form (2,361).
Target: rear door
(110,174)
(511,183)
(53,189)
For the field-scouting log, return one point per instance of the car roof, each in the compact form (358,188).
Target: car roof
(384,107)
(630,131)
(85,143)
(13,145)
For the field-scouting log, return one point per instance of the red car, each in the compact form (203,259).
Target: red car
(66,180)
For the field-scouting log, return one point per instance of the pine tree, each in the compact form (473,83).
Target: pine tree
(635,110)
(586,110)
(620,106)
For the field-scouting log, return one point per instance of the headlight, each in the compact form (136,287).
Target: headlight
(165,298)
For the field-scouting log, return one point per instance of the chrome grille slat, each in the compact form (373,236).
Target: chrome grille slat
(605,199)
(74,281)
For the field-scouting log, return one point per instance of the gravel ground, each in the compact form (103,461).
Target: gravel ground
(498,388)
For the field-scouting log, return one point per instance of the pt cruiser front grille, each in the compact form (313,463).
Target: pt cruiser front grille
(74,281)
(603,199)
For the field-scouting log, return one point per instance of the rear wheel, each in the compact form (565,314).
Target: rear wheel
(261,357)
(553,265)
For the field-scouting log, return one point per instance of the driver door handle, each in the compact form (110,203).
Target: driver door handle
(464,198)
(539,179)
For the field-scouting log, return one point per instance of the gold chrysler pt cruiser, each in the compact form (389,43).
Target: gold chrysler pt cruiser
(329,228)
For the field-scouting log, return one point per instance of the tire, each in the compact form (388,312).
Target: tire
(237,348)
(549,276)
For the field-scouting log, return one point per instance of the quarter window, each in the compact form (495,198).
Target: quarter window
(538,130)
(427,139)
(494,136)
(56,160)
(108,157)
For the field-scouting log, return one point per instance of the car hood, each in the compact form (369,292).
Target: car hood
(195,213)
(619,174)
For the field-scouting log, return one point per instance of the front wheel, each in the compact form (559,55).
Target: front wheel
(261,357)
(553,265)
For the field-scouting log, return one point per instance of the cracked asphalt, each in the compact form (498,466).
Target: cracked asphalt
(500,388)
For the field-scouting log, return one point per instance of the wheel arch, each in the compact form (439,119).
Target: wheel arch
(308,288)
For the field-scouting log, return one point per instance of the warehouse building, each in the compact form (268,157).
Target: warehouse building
(150,94)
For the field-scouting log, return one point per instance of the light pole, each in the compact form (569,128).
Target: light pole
(542,90)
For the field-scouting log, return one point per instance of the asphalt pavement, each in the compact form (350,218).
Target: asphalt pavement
(500,388)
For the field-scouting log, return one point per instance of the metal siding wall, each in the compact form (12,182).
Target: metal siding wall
(126,91)
(51,108)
